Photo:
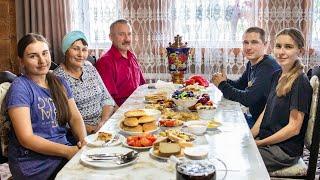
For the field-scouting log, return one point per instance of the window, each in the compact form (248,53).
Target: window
(94,18)
(316,25)
(213,23)
(212,28)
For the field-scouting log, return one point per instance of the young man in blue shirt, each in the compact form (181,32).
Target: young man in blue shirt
(252,88)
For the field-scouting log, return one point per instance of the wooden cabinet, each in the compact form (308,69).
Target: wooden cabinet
(8,40)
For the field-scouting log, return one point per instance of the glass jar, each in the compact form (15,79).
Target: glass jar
(195,170)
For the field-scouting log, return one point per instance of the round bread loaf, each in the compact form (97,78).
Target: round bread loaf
(146,119)
(133,129)
(131,121)
(135,113)
(149,126)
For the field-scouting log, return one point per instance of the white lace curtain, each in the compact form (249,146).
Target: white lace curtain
(213,29)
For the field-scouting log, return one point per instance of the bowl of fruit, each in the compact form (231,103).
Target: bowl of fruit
(184,99)
(204,100)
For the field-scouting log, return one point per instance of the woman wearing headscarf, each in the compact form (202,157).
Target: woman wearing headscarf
(91,96)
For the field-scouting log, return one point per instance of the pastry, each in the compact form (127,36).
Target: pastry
(131,121)
(131,129)
(146,119)
(135,113)
(103,136)
(149,126)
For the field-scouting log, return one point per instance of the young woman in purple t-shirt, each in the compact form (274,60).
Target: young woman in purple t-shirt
(39,106)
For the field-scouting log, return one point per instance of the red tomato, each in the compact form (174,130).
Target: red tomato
(151,138)
(130,143)
(130,138)
(145,142)
(170,123)
(137,144)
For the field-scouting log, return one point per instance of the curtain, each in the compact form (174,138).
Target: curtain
(275,15)
(47,17)
(212,29)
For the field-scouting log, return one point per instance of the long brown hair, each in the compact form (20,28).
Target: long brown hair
(286,80)
(58,91)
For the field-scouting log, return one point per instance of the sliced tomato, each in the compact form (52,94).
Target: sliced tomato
(131,142)
(145,142)
(151,138)
(130,138)
(137,144)
(170,123)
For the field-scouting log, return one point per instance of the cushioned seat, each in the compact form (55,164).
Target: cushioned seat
(6,78)
(299,169)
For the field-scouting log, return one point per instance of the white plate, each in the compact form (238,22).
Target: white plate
(156,156)
(108,163)
(185,131)
(160,157)
(124,142)
(93,142)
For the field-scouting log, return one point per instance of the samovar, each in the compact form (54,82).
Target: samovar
(178,54)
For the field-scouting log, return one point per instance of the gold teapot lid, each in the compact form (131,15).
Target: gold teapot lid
(178,43)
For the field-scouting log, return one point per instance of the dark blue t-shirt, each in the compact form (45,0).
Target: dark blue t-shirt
(278,109)
(23,162)
(252,88)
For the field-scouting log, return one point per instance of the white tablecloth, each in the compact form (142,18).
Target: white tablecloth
(232,143)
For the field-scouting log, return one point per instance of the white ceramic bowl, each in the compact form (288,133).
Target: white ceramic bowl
(153,112)
(206,112)
(188,102)
(196,153)
(196,127)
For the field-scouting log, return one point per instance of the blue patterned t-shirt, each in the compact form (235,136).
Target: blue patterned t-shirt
(23,162)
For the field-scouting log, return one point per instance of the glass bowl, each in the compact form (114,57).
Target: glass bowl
(206,112)
(185,103)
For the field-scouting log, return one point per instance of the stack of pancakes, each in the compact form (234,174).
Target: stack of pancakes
(138,121)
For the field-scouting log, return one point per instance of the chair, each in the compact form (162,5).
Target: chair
(301,170)
(6,78)
(92,59)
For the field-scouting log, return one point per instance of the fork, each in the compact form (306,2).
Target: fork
(120,158)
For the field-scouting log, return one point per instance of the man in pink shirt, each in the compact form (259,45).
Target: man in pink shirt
(118,67)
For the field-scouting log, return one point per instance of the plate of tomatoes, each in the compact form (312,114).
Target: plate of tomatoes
(142,141)
(170,123)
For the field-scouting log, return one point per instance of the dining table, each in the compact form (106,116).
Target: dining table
(231,146)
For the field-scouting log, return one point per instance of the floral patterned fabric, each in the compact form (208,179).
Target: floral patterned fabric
(5,171)
(4,125)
